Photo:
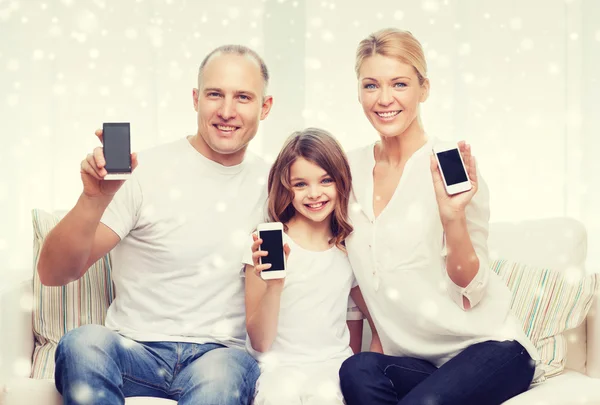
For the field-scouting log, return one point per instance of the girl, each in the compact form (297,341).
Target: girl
(297,325)
(420,256)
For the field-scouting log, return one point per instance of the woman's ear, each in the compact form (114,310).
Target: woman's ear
(424,91)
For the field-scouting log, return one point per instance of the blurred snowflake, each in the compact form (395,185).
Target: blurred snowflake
(430,5)
(398,15)
(82,393)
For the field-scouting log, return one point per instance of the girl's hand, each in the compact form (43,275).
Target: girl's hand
(453,206)
(257,254)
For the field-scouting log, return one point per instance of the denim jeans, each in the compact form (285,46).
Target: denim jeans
(97,366)
(487,373)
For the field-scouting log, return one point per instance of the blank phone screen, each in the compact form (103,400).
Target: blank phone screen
(452,167)
(117,148)
(273,243)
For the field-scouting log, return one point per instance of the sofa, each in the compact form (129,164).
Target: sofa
(557,243)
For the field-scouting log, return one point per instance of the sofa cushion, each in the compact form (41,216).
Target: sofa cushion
(548,303)
(57,310)
(25,391)
(569,388)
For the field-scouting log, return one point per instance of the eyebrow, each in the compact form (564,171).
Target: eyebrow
(302,178)
(393,79)
(237,92)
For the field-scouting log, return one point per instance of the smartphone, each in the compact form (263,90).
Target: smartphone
(117,150)
(272,236)
(453,170)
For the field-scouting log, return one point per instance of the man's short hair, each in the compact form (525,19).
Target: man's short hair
(242,51)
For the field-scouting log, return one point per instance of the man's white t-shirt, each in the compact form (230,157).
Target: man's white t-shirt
(313,309)
(183,221)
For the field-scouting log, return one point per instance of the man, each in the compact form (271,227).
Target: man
(178,226)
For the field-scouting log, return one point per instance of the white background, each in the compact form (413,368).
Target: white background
(519,79)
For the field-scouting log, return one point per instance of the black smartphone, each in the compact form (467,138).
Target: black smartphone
(117,150)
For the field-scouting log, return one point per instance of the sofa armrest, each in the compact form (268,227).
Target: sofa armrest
(593,339)
(16,336)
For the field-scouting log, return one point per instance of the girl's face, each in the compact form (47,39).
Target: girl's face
(315,192)
(390,94)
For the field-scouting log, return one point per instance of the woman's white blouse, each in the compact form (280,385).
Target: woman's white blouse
(399,262)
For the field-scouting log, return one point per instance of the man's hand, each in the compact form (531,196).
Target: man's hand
(93,172)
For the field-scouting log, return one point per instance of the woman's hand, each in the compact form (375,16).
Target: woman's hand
(453,206)
(258,267)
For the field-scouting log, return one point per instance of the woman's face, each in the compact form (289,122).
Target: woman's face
(390,94)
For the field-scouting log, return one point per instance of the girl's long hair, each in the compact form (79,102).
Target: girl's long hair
(321,148)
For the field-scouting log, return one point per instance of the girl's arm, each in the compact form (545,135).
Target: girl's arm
(362,305)
(262,309)
(355,326)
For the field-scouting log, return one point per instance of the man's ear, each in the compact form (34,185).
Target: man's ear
(266,107)
(195,95)
(425,91)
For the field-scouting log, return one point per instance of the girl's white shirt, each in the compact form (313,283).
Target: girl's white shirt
(399,262)
(314,308)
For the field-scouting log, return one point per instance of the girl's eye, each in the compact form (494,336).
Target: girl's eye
(300,184)
(328,180)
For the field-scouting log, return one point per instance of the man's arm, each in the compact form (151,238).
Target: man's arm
(76,242)
(79,239)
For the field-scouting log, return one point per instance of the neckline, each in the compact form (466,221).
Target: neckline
(370,186)
(229,170)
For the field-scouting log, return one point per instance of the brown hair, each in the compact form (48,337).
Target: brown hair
(242,51)
(393,43)
(321,148)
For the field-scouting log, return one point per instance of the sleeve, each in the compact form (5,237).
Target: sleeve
(353,313)
(247,255)
(123,212)
(478,216)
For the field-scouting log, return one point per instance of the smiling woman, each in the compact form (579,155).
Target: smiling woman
(422,276)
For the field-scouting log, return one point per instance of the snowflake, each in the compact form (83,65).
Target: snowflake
(82,393)
(398,15)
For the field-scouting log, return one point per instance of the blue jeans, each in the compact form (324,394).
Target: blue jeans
(487,373)
(95,365)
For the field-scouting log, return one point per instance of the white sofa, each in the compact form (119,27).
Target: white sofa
(556,243)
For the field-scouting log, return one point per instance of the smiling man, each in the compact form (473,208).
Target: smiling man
(178,226)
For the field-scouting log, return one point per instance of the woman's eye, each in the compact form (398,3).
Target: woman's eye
(370,86)
(400,84)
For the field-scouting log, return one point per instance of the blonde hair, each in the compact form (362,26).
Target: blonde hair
(321,148)
(393,43)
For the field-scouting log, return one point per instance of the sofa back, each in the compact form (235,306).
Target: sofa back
(556,243)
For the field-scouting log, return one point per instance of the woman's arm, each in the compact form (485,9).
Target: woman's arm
(465,218)
(357,296)
(263,300)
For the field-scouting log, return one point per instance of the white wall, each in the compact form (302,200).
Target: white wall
(518,79)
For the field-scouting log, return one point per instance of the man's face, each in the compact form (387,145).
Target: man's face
(230,105)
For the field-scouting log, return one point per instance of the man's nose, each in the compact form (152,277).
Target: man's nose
(227,110)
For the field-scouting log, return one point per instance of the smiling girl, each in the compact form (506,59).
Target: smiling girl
(297,325)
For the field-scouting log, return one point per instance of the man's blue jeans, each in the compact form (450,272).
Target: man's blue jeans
(487,373)
(95,365)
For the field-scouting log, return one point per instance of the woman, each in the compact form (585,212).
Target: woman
(420,256)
